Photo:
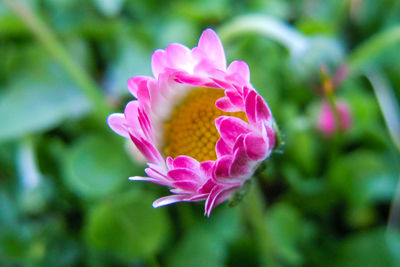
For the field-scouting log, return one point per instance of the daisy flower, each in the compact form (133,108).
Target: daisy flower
(201,126)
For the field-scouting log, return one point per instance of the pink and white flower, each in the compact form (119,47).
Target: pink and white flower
(201,125)
(326,120)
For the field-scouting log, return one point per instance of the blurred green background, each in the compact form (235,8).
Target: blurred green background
(65,199)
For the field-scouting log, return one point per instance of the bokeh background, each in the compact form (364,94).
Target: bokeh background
(65,199)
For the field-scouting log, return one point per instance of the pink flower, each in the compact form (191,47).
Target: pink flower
(201,126)
(326,121)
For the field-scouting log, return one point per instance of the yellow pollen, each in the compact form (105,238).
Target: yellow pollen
(191,129)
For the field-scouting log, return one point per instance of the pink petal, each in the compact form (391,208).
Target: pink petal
(226,105)
(345,115)
(198,197)
(163,85)
(326,123)
(145,124)
(168,200)
(256,147)
(189,79)
(143,94)
(230,128)
(327,119)
(151,180)
(170,163)
(158,62)
(241,68)
(204,65)
(117,123)
(235,99)
(222,148)
(271,138)
(241,165)
(222,169)
(219,120)
(147,149)
(156,174)
(179,56)
(131,115)
(186,162)
(183,174)
(209,205)
(239,142)
(217,195)
(134,82)
(154,90)
(250,106)
(221,83)
(186,185)
(262,110)
(206,167)
(211,44)
(207,186)
(245,90)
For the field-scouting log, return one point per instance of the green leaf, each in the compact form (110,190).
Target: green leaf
(381,187)
(109,8)
(362,55)
(309,186)
(33,105)
(206,243)
(204,9)
(393,242)
(208,252)
(349,174)
(128,226)
(96,166)
(303,149)
(364,249)
(286,230)
(133,60)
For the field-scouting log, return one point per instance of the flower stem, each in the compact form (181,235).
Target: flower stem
(361,56)
(48,39)
(336,114)
(254,213)
(328,87)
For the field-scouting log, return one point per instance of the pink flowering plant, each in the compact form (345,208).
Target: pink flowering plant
(327,122)
(201,126)
(334,115)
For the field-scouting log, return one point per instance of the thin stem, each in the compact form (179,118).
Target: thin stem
(336,114)
(254,213)
(48,39)
(364,53)
(328,86)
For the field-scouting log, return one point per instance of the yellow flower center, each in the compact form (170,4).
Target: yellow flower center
(191,129)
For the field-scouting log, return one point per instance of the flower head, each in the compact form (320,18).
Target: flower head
(326,121)
(201,125)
